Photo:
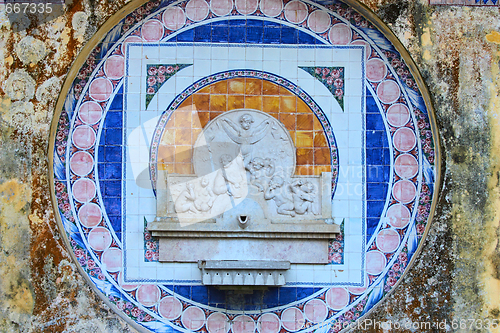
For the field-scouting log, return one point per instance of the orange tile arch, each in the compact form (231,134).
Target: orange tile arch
(187,122)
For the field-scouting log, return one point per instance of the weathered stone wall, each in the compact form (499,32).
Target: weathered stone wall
(457,274)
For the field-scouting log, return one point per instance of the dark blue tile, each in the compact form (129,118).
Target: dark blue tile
(271,35)
(236,34)
(289,35)
(374,121)
(199,294)
(387,156)
(376,191)
(377,173)
(287,295)
(203,33)
(216,296)
(113,188)
(220,34)
(374,208)
(254,23)
(307,39)
(116,222)
(254,34)
(271,24)
(112,171)
(371,105)
(220,23)
(371,226)
(113,136)
(113,206)
(101,170)
(113,154)
(375,156)
(241,23)
(183,290)
(375,139)
(117,103)
(271,296)
(304,292)
(113,120)
(186,36)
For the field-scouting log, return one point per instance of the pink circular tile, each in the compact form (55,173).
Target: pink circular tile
(83,190)
(319,21)
(170,308)
(174,18)
(271,8)
(218,323)
(388,91)
(126,287)
(340,34)
(90,215)
(112,259)
(404,139)
(100,89)
(337,298)
(246,7)
(404,191)
(316,310)
(152,31)
(376,70)
(406,166)
(83,137)
(99,238)
(268,323)
(243,324)
(131,39)
(296,11)
(81,163)
(388,240)
(148,294)
(114,67)
(90,112)
(375,262)
(368,48)
(292,319)
(359,290)
(197,10)
(398,216)
(398,115)
(221,7)
(193,318)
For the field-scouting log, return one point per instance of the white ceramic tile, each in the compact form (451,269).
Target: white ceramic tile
(151,52)
(133,85)
(236,53)
(253,54)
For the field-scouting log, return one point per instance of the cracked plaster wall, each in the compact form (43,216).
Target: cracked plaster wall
(456,276)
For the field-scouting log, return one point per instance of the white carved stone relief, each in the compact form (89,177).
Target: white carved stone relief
(243,187)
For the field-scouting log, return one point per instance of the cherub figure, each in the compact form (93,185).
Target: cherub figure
(276,191)
(206,197)
(304,197)
(230,177)
(244,135)
(260,168)
(185,201)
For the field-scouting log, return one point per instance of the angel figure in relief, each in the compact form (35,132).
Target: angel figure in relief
(244,135)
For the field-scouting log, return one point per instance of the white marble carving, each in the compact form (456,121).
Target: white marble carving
(243,187)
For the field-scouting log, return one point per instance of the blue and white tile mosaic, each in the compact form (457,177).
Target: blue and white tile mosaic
(356,111)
